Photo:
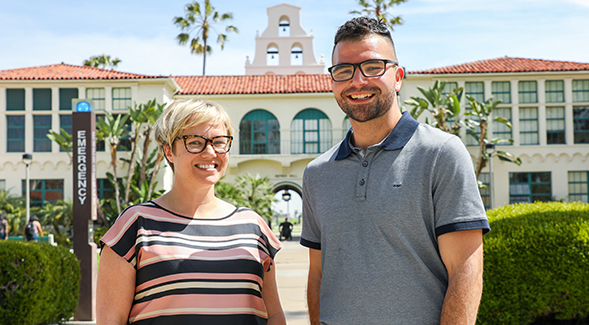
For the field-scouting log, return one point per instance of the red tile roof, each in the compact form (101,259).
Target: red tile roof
(254,84)
(507,64)
(68,72)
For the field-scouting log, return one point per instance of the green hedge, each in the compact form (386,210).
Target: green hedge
(39,283)
(536,264)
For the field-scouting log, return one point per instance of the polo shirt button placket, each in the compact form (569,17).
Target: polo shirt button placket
(362,182)
(365,163)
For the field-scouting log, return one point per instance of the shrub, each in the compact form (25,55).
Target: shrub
(536,264)
(39,283)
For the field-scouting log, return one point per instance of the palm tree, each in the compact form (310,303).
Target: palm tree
(445,108)
(102,61)
(256,194)
(198,20)
(113,129)
(63,139)
(481,113)
(250,191)
(378,9)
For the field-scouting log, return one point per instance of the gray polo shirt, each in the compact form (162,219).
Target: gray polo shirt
(376,216)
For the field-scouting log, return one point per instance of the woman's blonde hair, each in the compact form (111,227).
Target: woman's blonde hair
(184,114)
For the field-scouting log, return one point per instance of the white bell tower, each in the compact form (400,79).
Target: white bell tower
(284,47)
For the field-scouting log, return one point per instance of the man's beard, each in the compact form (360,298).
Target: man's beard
(365,112)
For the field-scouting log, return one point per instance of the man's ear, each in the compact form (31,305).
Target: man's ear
(399,78)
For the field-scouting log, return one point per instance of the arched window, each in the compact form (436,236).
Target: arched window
(284,27)
(346,126)
(296,55)
(310,132)
(272,55)
(259,133)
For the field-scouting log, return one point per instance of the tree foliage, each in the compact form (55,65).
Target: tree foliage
(378,9)
(197,25)
(445,109)
(102,61)
(249,191)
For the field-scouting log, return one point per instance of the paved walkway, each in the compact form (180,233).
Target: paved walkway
(292,265)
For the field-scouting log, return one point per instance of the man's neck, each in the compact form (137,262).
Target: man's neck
(372,132)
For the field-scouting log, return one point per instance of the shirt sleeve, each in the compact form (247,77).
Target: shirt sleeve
(457,200)
(121,237)
(311,235)
(271,244)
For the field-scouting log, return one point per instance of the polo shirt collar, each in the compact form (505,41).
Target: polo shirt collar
(397,139)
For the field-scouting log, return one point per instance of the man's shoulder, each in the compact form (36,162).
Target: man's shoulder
(326,157)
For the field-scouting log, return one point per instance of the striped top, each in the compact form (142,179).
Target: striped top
(198,271)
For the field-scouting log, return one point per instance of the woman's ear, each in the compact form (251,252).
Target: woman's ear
(168,154)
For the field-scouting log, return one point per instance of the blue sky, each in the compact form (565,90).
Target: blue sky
(141,33)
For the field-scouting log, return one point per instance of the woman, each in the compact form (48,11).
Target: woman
(188,257)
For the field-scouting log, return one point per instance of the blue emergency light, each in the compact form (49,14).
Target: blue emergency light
(83,107)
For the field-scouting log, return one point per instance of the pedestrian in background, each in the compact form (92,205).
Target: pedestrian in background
(33,229)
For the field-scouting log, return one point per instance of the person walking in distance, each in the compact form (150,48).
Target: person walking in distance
(33,229)
(392,214)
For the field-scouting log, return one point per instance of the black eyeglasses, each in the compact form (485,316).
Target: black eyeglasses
(198,143)
(369,68)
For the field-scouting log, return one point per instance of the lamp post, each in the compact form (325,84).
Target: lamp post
(27,158)
(490,150)
(286,197)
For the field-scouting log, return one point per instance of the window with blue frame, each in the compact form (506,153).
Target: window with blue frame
(528,126)
(104,188)
(100,146)
(259,133)
(580,91)
(579,186)
(310,132)
(530,187)
(42,99)
(471,139)
(501,130)
(346,126)
(555,125)
(501,90)
(449,87)
(65,98)
(528,92)
(486,191)
(41,127)
(65,123)
(97,95)
(15,99)
(581,124)
(475,90)
(121,98)
(554,91)
(15,133)
(44,191)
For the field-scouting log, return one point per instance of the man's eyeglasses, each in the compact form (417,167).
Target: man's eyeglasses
(198,143)
(369,68)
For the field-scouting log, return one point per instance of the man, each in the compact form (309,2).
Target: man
(285,230)
(392,214)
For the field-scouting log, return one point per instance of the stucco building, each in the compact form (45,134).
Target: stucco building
(286,115)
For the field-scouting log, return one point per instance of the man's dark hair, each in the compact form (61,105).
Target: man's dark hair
(356,29)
